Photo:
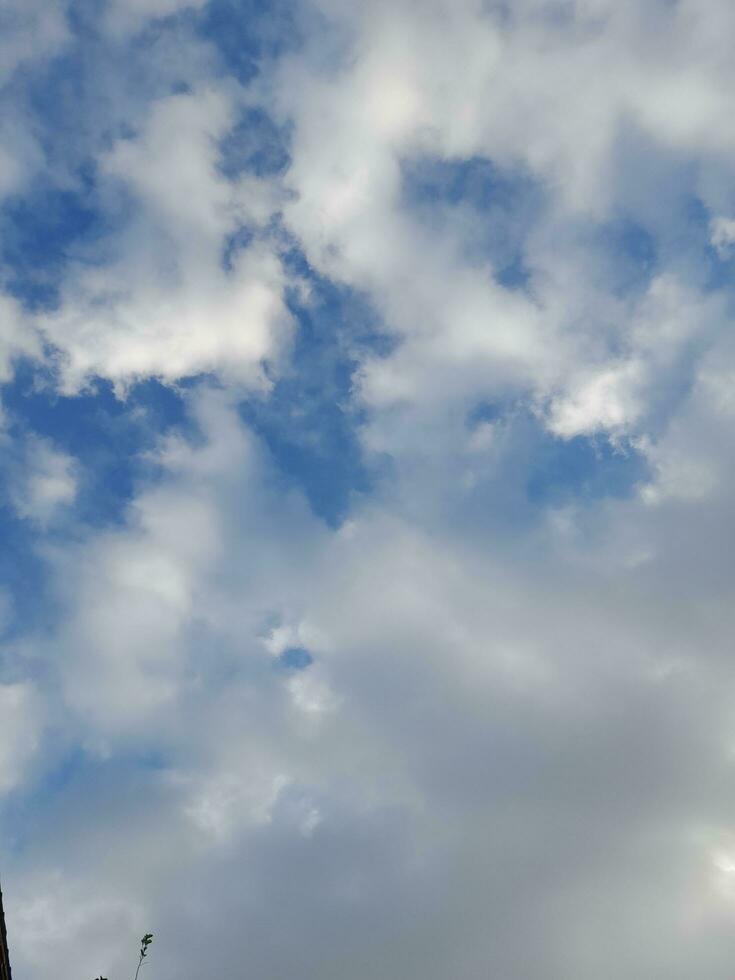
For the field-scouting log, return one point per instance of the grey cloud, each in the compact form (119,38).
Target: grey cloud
(512,752)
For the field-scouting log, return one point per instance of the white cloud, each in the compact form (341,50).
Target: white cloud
(166,306)
(512,751)
(549,91)
(722,234)
(461,683)
(64,926)
(604,402)
(45,482)
(20,711)
(17,337)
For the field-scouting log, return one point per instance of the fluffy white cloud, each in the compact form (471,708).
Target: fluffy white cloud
(45,482)
(496,741)
(723,234)
(554,89)
(17,337)
(513,748)
(166,305)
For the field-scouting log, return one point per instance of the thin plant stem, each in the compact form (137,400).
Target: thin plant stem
(144,944)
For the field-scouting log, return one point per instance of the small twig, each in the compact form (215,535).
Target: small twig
(144,944)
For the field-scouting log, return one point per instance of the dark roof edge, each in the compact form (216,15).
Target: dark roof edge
(4,957)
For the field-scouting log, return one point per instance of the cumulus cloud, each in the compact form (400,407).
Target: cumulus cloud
(45,482)
(534,93)
(482,723)
(485,736)
(167,305)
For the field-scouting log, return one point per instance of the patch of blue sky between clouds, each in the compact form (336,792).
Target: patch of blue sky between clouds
(255,145)
(310,421)
(247,33)
(76,104)
(295,658)
(23,578)
(91,93)
(109,437)
(491,209)
(72,775)
(41,231)
(583,470)
(659,195)
(630,251)
(546,470)
(525,473)
(109,442)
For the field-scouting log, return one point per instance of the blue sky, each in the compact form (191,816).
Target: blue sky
(366,406)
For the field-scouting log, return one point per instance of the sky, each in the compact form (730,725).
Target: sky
(367,395)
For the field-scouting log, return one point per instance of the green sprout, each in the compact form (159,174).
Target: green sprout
(144,944)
